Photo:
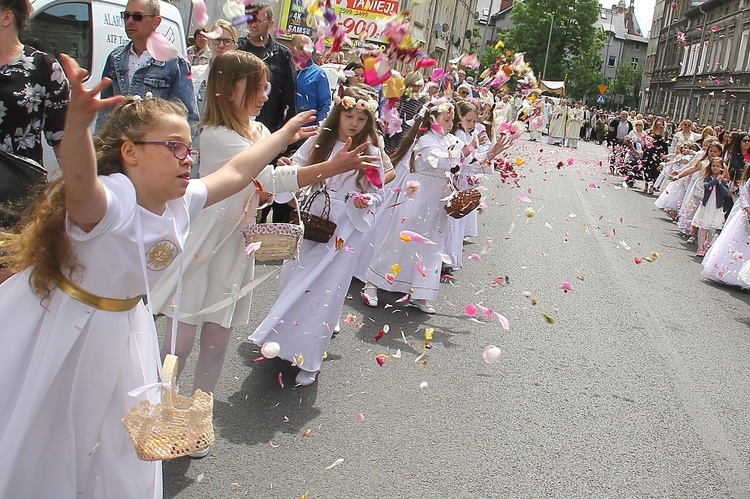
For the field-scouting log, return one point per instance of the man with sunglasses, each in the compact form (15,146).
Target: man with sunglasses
(134,71)
(282,101)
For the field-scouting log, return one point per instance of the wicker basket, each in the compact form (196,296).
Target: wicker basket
(463,202)
(278,241)
(175,427)
(317,228)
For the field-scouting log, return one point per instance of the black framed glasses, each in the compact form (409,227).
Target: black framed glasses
(223,41)
(745,140)
(180,150)
(137,16)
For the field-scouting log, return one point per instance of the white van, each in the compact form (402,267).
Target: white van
(88,30)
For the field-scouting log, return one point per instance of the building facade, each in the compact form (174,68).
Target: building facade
(625,41)
(698,65)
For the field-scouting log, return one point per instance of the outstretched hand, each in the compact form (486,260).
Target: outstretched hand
(296,126)
(502,143)
(353,159)
(84,104)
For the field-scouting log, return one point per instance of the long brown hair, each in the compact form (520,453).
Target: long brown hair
(226,70)
(42,244)
(329,131)
(463,108)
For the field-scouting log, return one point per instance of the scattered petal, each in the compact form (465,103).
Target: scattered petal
(470,310)
(637,260)
(423,385)
(335,463)
(566,286)
(281,380)
(491,354)
(160,48)
(381,358)
(548,318)
(407,235)
(523,198)
(503,321)
(360,417)
(475,257)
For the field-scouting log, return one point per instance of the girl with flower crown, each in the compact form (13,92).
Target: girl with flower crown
(312,290)
(403,263)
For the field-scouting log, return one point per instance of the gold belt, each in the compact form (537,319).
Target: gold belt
(107,304)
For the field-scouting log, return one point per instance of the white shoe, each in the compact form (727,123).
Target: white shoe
(424,306)
(371,300)
(305,378)
(200,454)
(691,240)
(337,329)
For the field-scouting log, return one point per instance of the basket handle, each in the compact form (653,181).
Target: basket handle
(170,378)
(326,206)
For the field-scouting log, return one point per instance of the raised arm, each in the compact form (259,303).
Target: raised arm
(85,198)
(239,171)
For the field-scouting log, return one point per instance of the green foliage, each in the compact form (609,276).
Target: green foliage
(585,72)
(573,33)
(627,82)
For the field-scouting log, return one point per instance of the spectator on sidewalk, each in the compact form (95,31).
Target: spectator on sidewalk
(199,53)
(134,71)
(313,91)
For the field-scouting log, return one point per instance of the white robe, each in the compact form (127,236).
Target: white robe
(557,122)
(312,290)
(67,367)
(575,121)
(425,214)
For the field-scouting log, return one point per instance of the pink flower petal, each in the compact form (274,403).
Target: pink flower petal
(523,198)
(503,321)
(471,310)
(160,48)
(420,269)
(566,286)
(252,247)
(200,13)
(407,235)
(475,257)
(281,380)
(373,175)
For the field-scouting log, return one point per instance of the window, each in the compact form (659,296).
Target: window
(604,15)
(612,61)
(63,28)
(637,46)
(634,62)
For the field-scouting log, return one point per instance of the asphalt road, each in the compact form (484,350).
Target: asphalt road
(637,389)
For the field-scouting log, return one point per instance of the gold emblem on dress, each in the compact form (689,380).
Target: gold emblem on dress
(161,254)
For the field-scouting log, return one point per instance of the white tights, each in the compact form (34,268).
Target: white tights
(214,344)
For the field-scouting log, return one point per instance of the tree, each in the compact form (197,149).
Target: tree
(627,82)
(585,73)
(573,33)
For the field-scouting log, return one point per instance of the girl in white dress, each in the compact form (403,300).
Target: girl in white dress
(77,336)
(731,249)
(218,270)
(694,192)
(467,130)
(710,213)
(407,266)
(312,290)
(670,199)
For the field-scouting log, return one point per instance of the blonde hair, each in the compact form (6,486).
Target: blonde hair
(42,244)
(224,24)
(226,70)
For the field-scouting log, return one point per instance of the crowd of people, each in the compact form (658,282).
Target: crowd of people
(189,151)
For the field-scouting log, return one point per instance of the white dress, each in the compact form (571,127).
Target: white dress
(691,200)
(575,122)
(393,193)
(434,156)
(312,290)
(216,265)
(67,367)
(672,196)
(731,249)
(709,216)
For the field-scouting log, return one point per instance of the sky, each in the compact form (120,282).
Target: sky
(644,12)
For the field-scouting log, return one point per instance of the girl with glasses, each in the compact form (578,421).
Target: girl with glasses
(82,338)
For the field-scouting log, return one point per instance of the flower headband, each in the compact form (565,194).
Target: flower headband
(439,106)
(350,102)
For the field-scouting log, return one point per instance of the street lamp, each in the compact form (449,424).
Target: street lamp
(549,39)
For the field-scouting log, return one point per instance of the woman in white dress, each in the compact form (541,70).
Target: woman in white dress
(77,336)
(312,290)
(684,134)
(218,277)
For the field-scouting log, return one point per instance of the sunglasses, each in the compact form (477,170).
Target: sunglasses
(253,18)
(223,41)
(137,16)
(745,140)
(180,150)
